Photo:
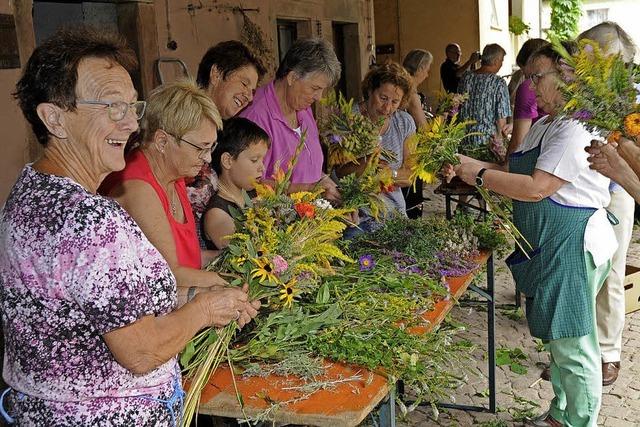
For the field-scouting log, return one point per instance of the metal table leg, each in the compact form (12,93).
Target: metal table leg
(491,334)
(387,412)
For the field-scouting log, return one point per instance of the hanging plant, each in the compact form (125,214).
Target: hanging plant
(517,26)
(256,39)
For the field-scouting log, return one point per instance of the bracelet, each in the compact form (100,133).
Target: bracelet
(191,292)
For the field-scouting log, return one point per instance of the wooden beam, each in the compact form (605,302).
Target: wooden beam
(23,16)
(137,23)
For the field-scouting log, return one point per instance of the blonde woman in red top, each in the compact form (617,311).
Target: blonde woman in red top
(180,131)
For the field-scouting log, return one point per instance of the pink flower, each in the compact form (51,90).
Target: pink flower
(280,264)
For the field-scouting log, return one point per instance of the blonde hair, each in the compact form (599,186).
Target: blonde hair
(178,108)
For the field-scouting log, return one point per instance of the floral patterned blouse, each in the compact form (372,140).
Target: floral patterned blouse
(74,266)
(200,190)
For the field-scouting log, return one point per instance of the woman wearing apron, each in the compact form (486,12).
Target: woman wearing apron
(558,205)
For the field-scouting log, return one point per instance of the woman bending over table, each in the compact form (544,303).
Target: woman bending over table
(558,206)
(180,131)
(283,109)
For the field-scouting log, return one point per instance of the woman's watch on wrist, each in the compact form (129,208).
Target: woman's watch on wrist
(479,180)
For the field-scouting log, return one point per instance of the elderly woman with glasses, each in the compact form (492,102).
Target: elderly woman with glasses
(180,132)
(558,205)
(283,109)
(88,304)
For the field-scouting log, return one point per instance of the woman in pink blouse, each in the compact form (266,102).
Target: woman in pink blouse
(283,109)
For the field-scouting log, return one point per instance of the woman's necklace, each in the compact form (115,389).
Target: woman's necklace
(225,193)
(172,202)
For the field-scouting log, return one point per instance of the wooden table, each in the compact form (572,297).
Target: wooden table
(348,404)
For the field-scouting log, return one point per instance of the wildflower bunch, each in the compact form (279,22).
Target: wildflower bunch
(348,135)
(283,245)
(435,144)
(365,189)
(600,90)
(448,104)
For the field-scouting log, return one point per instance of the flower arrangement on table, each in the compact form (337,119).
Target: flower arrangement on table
(399,276)
(353,302)
(600,90)
(282,247)
(351,138)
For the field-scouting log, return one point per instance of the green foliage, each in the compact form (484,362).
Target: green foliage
(517,26)
(601,92)
(513,357)
(515,314)
(524,410)
(494,423)
(565,15)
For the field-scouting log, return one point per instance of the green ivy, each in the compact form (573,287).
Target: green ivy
(565,15)
(517,26)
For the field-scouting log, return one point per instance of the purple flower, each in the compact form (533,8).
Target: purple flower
(280,265)
(588,48)
(583,115)
(336,139)
(367,263)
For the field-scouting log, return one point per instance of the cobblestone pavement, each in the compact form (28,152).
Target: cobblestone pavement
(518,393)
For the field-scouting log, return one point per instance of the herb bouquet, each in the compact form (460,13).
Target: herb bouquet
(436,145)
(350,138)
(601,91)
(282,247)
(448,104)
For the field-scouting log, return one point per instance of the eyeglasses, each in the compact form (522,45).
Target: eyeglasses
(119,109)
(202,151)
(535,77)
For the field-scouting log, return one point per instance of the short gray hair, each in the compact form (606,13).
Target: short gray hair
(416,59)
(491,53)
(612,40)
(308,56)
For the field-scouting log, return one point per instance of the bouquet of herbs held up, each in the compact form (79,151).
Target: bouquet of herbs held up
(353,139)
(435,145)
(283,245)
(600,90)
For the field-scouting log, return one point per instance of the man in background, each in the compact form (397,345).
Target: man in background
(451,70)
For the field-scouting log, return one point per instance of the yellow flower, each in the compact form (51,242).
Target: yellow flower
(238,261)
(632,124)
(288,293)
(301,196)
(427,177)
(264,271)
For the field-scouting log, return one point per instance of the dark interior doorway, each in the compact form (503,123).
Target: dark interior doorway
(347,46)
(49,16)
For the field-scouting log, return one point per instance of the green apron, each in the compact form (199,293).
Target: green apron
(554,279)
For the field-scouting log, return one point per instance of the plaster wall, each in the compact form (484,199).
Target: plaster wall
(15,145)
(416,24)
(196,28)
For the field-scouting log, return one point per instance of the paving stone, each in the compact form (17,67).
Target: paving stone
(617,422)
